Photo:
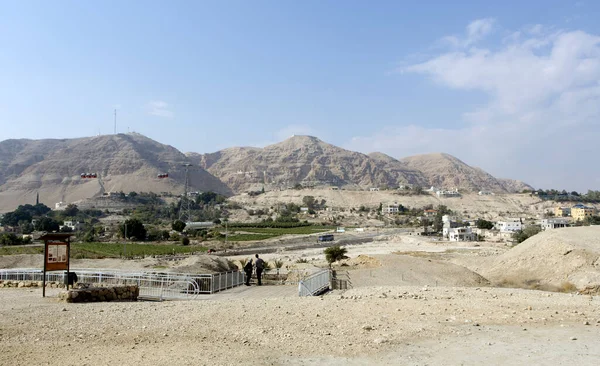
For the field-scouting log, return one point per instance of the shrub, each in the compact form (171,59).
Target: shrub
(301,260)
(185,240)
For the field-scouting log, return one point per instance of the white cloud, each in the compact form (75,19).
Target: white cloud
(543,110)
(159,108)
(476,31)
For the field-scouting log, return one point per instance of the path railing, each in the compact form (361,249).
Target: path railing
(314,284)
(159,285)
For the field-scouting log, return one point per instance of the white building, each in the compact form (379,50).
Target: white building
(554,223)
(510,225)
(60,205)
(392,208)
(464,233)
(374,189)
(443,193)
(74,225)
(485,193)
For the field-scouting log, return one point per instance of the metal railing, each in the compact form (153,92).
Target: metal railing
(160,285)
(314,284)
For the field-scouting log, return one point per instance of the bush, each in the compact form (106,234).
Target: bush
(522,235)
(185,240)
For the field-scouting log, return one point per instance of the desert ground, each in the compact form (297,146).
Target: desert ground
(412,302)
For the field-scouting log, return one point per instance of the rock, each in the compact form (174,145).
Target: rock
(367,327)
(573,338)
(586,323)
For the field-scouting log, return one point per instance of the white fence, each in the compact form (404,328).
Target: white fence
(314,284)
(156,285)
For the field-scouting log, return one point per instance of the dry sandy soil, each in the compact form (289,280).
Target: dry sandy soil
(419,307)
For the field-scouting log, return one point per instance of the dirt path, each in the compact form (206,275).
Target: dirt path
(378,325)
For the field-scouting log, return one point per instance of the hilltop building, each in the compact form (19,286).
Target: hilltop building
(509,225)
(579,212)
(554,223)
(562,211)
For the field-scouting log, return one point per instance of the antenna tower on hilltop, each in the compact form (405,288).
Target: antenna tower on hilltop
(185,208)
(115,121)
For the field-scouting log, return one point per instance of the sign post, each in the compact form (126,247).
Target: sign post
(57,250)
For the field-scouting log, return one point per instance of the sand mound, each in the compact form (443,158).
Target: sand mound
(362,261)
(552,258)
(404,270)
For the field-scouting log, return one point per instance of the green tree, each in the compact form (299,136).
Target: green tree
(484,224)
(13,218)
(522,235)
(309,201)
(134,228)
(71,210)
(178,225)
(47,224)
(335,253)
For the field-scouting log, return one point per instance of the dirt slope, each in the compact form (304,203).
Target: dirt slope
(552,258)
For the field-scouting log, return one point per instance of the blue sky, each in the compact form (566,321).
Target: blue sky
(511,87)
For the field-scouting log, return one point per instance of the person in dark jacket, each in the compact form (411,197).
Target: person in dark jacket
(260,265)
(248,270)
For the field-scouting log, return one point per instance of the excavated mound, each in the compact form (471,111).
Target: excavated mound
(560,258)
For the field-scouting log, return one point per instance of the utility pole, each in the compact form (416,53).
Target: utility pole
(125,242)
(184,210)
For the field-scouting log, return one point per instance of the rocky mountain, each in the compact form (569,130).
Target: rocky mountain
(123,162)
(446,171)
(132,162)
(301,159)
(309,161)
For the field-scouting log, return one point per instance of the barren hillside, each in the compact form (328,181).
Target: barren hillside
(446,171)
(122,162)
(299,159)
(472,204)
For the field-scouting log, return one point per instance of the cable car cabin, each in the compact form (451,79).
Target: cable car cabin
(326,237)
(89,175)
(163,175)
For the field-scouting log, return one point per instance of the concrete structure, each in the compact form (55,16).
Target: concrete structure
(509,225)
(554,223)
(562,211)
(73,225)
(580,212)
(464,233)
(60,206)
(198,225)
(443,193)
(430,213)
(392,208)
(374,189)
(485,193)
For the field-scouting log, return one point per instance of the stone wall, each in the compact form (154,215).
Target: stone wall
(16,283)
(99,294)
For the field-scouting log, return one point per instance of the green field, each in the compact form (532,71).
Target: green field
(248,234)
(109,250)
(305,230)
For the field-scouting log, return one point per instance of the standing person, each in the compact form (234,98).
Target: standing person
(248,270)
(260,265)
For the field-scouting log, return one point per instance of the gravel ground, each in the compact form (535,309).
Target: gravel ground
(374,325)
